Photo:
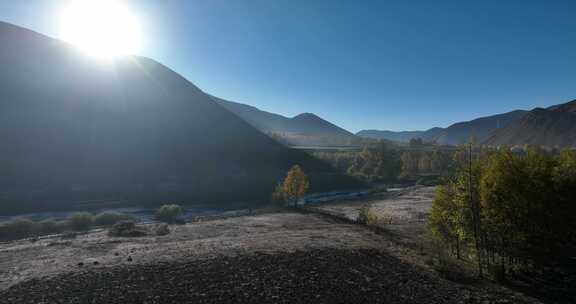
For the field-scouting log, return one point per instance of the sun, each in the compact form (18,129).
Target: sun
(101,27)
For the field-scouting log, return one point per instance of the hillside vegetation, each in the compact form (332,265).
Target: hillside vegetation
(510,212)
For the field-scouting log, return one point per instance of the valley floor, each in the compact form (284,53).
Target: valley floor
(283,257)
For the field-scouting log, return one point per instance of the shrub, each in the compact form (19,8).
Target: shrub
(367,217)
(111,218)
(127,229)
(69,235)
(169,213)
(81,221)
(63,225)
(18,228)
(48,226)
(162,229)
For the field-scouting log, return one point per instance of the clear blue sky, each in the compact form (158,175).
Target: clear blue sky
(399,65)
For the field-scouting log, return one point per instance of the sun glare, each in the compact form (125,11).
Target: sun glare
(101,27)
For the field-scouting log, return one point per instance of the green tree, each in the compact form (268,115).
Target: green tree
(510,209)
(449,217)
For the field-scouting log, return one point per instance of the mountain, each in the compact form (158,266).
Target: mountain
(554,126)
(479,128)
(306,129)
(455,134)
(569,107)
(76,129)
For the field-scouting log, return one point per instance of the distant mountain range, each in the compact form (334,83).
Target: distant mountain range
(455,134)
(554,126)
(76,129)
(306,129)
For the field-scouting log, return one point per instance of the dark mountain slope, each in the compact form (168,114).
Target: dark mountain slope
(480,128)
(555,126)
(303,129)
(569,107)
(78,129)
(262,120)
(312,124)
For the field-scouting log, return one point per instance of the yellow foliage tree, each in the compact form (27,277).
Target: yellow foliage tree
(295,185)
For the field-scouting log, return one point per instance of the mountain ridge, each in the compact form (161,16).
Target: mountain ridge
(304,129)
(554,126)
(76,129)
(457,133)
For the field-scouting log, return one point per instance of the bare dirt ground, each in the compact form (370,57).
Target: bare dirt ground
(283,257)
(403,213)
(280,232)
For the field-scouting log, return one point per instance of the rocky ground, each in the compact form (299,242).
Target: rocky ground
(282,257)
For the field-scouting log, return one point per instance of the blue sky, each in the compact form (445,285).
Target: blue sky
(397,65)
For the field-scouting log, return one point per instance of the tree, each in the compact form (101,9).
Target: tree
(169,213)
(448,216)
(512,210)
(295,185)
(416,142)
(409,165)
(278,194)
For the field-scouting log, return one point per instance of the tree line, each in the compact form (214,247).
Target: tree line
(386,162)
(509,211)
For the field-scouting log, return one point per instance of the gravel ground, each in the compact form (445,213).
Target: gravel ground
(277,232)
(316,276)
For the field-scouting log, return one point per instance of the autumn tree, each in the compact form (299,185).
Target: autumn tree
(294,186)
